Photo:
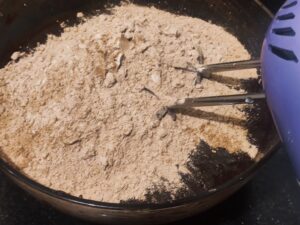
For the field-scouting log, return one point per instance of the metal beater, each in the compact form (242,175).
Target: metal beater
(280,71)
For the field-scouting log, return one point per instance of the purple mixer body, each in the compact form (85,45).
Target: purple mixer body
(281,76)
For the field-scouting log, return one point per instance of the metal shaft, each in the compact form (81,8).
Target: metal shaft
(229,66)
(217,100)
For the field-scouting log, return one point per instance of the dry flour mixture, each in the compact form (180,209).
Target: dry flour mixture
(78,112)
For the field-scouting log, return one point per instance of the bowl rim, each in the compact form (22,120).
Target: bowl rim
(9,170)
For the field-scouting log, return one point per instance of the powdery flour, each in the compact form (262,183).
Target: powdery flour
(78,112)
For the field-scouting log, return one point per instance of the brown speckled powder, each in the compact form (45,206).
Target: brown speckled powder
(78,112)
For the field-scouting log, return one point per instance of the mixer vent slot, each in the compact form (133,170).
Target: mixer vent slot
(285,31)
(290,5)
(288,16)
(284,53)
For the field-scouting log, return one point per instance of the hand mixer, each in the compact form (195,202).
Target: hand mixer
(280,70)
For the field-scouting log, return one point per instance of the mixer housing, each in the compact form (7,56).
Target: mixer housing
(281,76)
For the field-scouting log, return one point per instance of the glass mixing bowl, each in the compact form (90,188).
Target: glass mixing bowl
(20,21)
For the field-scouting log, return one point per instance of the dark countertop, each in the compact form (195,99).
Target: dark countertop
(271,198)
